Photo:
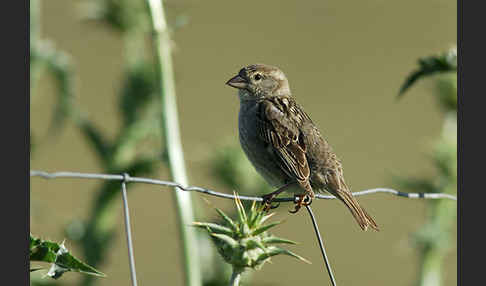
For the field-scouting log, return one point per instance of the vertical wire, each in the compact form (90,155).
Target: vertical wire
(131,258)
(321,245)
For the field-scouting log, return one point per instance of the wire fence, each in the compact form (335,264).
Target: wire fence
(126,178)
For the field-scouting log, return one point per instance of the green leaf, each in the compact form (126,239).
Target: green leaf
(273,239)
(40,250)
(63,261)
(121,15)
(265,218)
(62,69)
(96,139)
(253,216)
(431,65)
(260,245)
(137,92)
(58,64)
(274,250)
(214,228)
(227,239)
(265,228)
(227,219)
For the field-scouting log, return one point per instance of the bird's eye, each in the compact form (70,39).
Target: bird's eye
(257,77)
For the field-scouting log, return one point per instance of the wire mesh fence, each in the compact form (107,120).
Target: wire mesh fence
(126,178)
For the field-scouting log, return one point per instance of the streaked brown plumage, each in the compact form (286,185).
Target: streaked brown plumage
(284,145)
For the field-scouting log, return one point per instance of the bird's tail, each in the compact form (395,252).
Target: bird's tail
(362,217)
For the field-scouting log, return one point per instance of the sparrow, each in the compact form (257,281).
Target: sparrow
(284,145)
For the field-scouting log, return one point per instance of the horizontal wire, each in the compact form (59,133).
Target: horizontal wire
(128,179)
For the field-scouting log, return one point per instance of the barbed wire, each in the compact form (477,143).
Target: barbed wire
(128,179)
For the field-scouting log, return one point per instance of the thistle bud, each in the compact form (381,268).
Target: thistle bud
(245,242)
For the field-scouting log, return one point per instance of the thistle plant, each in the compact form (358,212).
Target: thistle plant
(433,240)
(245,243)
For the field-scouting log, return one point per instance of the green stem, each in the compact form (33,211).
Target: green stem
(431,267)
(235,277)
(170,129)
(34,45)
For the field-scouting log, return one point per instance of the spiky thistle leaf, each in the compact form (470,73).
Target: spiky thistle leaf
(57,254)
(431,65)
(216,228)
(275,240)
(227,239)
(265,228)
(275,250)
(240,208)
(227,219)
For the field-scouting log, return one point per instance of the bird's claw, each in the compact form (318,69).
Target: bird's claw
(301,200)
(267,203)
(273,206)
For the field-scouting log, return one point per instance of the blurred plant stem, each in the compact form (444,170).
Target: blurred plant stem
(45,57)
(34,39)
(434,238)
(170,129)
(122,155)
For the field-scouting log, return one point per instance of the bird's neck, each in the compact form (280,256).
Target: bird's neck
(246,97)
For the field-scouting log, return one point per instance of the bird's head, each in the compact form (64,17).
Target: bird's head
(259,81)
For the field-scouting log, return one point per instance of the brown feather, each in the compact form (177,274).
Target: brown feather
(338,188)
(283,134)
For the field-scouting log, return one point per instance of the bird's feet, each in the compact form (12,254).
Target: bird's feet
(300,200)
(268,198)
(267,202)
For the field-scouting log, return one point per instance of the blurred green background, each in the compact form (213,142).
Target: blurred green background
(345,62)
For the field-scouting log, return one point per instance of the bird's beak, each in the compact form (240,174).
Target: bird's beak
(237,82)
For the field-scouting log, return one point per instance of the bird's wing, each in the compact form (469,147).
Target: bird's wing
(279,123)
